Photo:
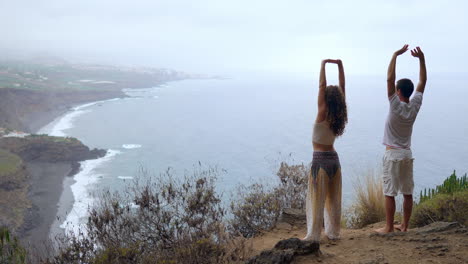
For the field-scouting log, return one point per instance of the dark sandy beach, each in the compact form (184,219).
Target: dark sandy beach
(46,189)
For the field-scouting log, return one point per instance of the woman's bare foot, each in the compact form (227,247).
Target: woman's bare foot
(401,228)
(384,230)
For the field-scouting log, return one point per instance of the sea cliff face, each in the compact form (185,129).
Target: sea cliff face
(30,167)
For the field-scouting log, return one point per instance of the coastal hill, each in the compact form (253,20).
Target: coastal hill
(34,92)
(32,168)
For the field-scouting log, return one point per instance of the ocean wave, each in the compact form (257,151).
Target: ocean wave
(131,146)
(125,177)
(142,92)
(81,195)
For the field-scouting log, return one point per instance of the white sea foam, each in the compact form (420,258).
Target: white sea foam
(125,177)
(80,107)
(66,122)
(82,197)
(131,146)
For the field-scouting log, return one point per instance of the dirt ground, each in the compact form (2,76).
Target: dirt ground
(437,243)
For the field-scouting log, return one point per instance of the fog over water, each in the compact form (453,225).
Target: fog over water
(209,36)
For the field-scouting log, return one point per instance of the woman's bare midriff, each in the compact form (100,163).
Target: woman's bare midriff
(321,147)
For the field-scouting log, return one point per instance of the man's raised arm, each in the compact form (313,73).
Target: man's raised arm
(391,75)
(417,52)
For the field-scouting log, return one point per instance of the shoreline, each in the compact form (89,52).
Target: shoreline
(52,197)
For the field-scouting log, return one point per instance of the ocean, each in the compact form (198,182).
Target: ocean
(245,126)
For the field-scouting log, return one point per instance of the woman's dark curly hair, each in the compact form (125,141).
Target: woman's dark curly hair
(337,114)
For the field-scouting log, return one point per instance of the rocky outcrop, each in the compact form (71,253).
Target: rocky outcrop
(285,251)
(49,149)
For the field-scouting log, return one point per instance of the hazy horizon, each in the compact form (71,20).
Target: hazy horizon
(223,37)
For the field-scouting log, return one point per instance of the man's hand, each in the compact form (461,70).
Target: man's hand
(417,52)
(402,50)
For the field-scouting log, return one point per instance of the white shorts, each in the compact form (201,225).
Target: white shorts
(398,172)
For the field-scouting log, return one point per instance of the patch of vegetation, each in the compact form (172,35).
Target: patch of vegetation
(11,252)
(451,185)
(445,202)
(53,138)
(163,220)
(9,163)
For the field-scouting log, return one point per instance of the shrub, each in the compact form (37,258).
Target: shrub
(258,207)
(164,220)
(369,203)
(293,185)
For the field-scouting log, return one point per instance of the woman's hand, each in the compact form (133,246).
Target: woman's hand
(337,61)
(402,50)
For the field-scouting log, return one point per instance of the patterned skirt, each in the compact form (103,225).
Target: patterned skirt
(327,160)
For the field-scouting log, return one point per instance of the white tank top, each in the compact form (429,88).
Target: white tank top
(322,133)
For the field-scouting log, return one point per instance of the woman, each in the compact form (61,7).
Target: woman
(324,188)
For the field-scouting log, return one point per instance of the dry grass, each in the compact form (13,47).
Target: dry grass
(369,202)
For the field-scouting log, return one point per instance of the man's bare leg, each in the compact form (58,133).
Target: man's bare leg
(407,209)
(389,215)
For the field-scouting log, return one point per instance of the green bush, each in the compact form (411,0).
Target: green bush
(451,185)
(11,252)
(442,207)
(445,202)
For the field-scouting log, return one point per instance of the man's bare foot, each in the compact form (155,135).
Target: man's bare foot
(384,230)
(400,228)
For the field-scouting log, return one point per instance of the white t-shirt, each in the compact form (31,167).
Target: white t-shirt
(400,120)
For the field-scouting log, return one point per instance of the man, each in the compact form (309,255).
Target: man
(398,159)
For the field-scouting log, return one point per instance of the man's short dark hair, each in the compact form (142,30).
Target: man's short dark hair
(406,87)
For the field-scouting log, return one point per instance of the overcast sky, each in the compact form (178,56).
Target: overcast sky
(216,36)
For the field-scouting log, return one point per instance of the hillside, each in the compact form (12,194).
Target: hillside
(33,93)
